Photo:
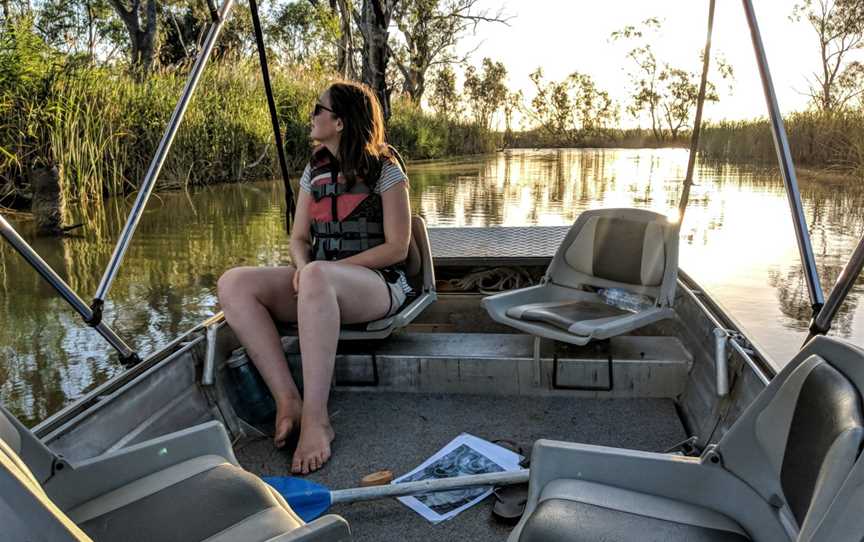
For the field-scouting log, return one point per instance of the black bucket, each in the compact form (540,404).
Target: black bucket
(253,403)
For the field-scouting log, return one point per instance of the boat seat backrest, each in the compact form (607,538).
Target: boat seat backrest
(633,249)
(419,268)
(799,441)
(9,433)
(23,502)
(38,458)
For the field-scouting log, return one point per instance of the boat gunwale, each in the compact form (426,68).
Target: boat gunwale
(51,426)
(55,424)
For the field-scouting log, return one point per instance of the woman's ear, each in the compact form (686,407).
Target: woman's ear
(339,125)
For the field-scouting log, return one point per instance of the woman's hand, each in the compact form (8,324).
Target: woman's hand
(295,281)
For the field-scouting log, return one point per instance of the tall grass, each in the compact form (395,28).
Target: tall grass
(107,127)
(816,140)
(419,135)
(101,128)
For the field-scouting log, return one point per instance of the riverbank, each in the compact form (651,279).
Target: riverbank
(100,128)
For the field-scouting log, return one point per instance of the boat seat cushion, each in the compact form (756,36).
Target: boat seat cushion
(206,498)
(580,511)
(564,314)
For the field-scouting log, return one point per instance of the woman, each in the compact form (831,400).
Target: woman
(350,237)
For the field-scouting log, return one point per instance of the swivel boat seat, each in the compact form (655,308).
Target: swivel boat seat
(420,272)
(790,468)
(627,249)
(185,486)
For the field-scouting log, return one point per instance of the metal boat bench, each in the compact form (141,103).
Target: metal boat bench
(185,486)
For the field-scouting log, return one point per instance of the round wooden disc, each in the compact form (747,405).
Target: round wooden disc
(378,478)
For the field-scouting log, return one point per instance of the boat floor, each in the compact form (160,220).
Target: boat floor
(398,431)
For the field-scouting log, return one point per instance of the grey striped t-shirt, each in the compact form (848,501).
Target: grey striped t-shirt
(391,175)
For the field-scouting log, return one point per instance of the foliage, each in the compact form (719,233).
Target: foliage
(419,135)
(305,34)
(839,25)
(429,31)
(29,71)
(831,141)
(665,93)
(485,90)
(444,98)
(81,27)
(571,110)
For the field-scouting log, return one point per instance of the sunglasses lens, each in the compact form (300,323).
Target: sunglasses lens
(317,110)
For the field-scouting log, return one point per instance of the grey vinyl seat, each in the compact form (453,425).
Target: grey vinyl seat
(420,272)
(790,468)
(631,249)
(186,486)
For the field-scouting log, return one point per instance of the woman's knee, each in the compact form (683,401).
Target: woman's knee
(233,285)
(316,277)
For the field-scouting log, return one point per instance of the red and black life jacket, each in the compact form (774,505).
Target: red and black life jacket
(346,219)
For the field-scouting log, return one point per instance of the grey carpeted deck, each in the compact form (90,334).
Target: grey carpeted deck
(398,431)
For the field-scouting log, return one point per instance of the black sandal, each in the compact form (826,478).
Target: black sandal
(510,501)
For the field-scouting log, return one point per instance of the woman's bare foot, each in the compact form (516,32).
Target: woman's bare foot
(287,420)
(313,450)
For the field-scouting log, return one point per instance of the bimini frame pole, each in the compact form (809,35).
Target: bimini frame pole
(787,169)
(20,245)
(274,118)
(697,122)
(156,164)
(821,323)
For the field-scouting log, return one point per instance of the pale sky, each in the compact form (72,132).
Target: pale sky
(566,36)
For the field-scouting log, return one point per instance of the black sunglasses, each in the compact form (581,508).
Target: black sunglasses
(319,108)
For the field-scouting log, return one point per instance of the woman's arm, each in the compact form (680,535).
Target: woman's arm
(301,242)
(397,231)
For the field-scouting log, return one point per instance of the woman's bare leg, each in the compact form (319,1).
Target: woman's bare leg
(251,298)
(331,294)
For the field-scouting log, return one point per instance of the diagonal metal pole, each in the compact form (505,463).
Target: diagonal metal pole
(274,119)
(821,322)
(787,169)
(156,165)
(697,122)
(26,251)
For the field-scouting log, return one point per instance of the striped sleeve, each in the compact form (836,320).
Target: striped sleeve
(306,180)
(391,175)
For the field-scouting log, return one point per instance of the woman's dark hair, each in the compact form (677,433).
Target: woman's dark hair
(362,146)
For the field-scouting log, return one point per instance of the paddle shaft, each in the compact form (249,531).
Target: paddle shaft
(428,486)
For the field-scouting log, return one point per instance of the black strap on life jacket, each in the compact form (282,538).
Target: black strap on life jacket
(336,189)
(345,238)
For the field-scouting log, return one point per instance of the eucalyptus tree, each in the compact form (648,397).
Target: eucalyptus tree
(444,97)
(571,110)
(839,25)
(80,27)
(486,90)
(666,94)
(141,19)
(429,32)
(373,21)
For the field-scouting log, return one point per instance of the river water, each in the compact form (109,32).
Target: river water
(737,241)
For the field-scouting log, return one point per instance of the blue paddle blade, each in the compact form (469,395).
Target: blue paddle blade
(308,499)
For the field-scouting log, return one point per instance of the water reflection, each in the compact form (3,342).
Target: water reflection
(736,240)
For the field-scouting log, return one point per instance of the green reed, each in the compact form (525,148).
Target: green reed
(816,140)
(104,128)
